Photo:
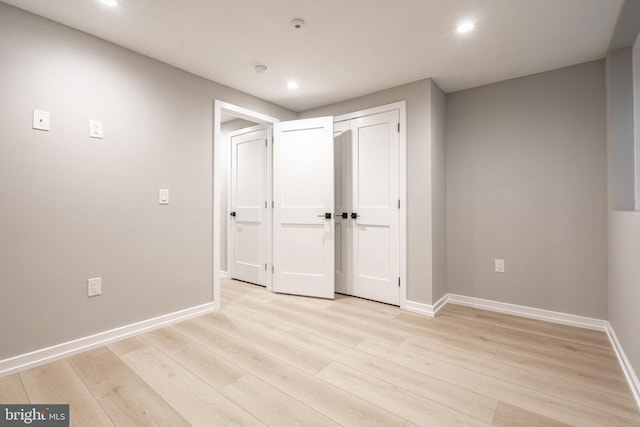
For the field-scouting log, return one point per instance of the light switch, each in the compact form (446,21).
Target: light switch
(95,129)
(40,120)
(164,197)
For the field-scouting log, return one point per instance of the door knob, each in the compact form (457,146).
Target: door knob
(354,215)
(345,215)
(232,214)
(326,215)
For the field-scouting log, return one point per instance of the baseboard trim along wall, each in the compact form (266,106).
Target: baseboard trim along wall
(426,309)
(627,369)
(224,274)
(529,312)
(539,314)
(59,351)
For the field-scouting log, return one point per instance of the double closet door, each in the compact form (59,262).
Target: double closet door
(316,210)
(366,159)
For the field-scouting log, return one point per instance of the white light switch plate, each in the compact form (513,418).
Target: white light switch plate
(95,129)
(163,197)
(40,120)
(499,265)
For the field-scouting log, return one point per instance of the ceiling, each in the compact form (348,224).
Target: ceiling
(347,48)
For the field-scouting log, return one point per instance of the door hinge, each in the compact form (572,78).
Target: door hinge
(273,204)
(398,127)
(265,142)
(398,282)
(265,267)
(398,203)
(265,204)
(273,269)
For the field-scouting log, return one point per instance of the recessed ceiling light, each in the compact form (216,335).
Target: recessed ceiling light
(109,2)
(465,27)
(292,84)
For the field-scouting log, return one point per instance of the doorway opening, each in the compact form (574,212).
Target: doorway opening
(224,112)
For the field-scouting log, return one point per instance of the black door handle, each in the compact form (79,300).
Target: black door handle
(354,215)
(327,215)
(345,215)
(232,214)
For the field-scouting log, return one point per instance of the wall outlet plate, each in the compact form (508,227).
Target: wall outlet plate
(41,120)
(499,265)
(95,129)
(94,286)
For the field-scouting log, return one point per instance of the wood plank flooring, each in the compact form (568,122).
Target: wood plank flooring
(280,360)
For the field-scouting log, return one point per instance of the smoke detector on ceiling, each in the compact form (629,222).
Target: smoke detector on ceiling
(261,69)
(297,23)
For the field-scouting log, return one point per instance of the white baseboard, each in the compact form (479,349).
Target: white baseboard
(59,351)
(425,309)
(626,366)
(224,274)
(419,308)
(529,312)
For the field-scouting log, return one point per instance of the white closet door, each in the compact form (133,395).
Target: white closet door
(248,214)
(376,268)
(343,197)
(303,224)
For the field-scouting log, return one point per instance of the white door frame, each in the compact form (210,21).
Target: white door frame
(242,113)
(402,159)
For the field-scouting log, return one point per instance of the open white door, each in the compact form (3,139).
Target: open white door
(249,219)
(376,210)
(303,219)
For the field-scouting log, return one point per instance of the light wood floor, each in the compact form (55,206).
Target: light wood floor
(277,360)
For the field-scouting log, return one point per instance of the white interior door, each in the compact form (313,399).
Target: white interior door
(376,212)
(249,219)
(343,201)
(303,220)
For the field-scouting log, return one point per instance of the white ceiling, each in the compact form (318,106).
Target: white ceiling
(348,47)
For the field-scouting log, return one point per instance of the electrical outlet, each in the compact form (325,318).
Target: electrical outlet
(95,129)
(499,265)
(94,286)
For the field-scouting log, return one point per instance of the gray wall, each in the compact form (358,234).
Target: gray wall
(437,125)
(419,180)
(624,281)
(636,116)
(620,124)
(75,207)
(526,182)
(624,227)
